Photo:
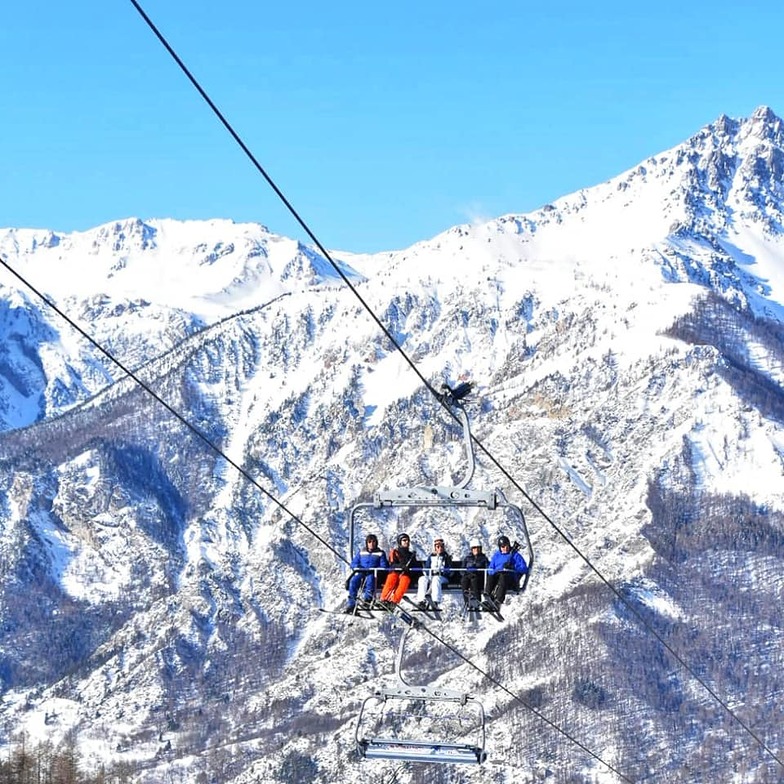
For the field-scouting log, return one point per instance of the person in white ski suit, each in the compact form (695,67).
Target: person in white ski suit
(435,575)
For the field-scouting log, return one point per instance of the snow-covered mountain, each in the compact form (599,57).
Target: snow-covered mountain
(628,344)
(137,289)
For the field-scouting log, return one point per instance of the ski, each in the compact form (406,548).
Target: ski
(490,605)
(367,613)
(343,614)
(486,605)
(429,611)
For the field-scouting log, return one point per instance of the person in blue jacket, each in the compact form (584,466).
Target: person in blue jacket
(363,567)
(506,568)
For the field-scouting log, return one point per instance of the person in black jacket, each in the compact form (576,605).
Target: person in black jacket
(473,580)
(403,561)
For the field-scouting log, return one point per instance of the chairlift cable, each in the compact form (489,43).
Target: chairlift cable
(173,411)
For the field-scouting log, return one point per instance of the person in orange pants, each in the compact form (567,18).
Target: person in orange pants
(403,561)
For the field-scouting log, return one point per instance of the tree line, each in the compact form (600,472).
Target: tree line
(43,763)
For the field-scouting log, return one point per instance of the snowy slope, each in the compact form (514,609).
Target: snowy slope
(137,289)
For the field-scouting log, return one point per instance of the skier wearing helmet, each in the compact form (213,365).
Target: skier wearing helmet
(365,566)
(403,561)
(506,568)
(473,577)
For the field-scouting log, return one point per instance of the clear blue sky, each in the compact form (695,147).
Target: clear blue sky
(383,123)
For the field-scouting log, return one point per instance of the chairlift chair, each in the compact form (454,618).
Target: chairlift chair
(457,496)
(390,743)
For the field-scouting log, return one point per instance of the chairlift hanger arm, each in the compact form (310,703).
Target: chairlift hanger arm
(397,687)
(451,399)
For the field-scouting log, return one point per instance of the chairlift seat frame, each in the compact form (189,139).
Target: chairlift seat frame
(421,751)
(438,496)
(412,749)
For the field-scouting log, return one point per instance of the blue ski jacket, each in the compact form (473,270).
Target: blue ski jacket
(510,562)
(370,559)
